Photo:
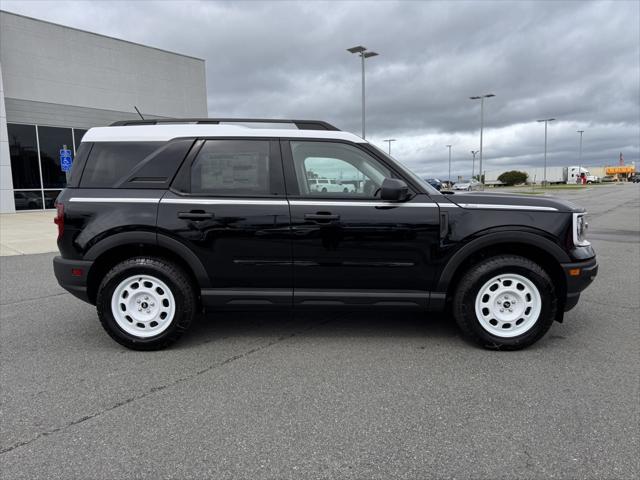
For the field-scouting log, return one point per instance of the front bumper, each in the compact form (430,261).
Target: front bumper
(72,276)
(579,275)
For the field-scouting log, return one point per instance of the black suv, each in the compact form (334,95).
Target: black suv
(164,219)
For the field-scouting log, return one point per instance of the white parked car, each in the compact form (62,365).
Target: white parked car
(593,179)
(467,185)
(329,185)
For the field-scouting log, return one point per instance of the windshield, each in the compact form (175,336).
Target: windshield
(406,171)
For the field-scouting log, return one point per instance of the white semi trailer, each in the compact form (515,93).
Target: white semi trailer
(536,175)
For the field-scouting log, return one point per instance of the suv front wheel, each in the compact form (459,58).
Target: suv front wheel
(505,302)
(146,303)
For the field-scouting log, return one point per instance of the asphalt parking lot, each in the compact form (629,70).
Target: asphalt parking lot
(327,395)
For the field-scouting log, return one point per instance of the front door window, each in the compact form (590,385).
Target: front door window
(327,169)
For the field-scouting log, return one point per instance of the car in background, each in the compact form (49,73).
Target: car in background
(635,178)
(324,185)
(609,179)
(435,183)
(593,179)
(467,185)
(27,200)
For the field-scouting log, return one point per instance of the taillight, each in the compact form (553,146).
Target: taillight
(59,220)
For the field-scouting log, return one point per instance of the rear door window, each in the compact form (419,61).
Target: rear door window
(110,161)
(236,168)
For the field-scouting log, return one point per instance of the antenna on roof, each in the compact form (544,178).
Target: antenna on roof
(138,112)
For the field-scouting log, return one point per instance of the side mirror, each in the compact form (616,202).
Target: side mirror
(394,190)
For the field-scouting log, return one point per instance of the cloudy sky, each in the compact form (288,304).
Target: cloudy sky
(577,61)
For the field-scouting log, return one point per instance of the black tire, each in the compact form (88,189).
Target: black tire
(480,273)
(173,276)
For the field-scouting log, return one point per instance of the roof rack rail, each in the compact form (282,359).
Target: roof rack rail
(300,124)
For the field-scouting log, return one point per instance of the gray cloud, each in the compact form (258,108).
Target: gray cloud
(576,61)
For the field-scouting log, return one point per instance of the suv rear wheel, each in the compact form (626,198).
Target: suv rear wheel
(505,303)
(146,303)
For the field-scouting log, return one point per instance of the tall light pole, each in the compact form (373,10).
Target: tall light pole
(473,165)
(362,51)
(389,140)
(449,147)
(481,98)
(546,121)
(580,156)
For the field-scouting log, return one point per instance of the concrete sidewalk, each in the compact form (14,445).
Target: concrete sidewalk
(25,233)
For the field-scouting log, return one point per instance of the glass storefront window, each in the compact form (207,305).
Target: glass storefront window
(28,200)
(24,156)
(52,140)
(50,198)
(35,162)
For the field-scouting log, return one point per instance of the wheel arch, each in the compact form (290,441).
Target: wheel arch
(528,245)
(116,248)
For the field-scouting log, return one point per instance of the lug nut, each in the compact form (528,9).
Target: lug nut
(502,309)
(139,309)
(148,311)
(153,304)
(146,298)
(511,310)
(499,302)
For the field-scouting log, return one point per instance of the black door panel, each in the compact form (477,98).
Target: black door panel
(229,208)
(349,247)
(368,245)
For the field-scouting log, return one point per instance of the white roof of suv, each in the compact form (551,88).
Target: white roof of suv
(165,132)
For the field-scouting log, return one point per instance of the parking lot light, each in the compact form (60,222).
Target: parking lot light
(546,122)
(449,147)
(389,140)
(363,53)
(580,154)
(481,98)
(473,164)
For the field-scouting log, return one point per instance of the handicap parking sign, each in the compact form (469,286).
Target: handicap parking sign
(66,160)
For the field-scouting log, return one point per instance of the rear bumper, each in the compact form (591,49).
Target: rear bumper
(72,276)
(579,275)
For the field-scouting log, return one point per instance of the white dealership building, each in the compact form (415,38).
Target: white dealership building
(56,82)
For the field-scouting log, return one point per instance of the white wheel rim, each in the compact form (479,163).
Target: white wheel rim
(143,306)
(508,305)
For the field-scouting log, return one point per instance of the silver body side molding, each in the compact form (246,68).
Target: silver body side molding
(494,206)
(113,200)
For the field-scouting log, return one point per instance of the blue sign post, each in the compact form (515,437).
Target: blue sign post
(66,160)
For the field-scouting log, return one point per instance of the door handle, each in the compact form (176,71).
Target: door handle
(195,215)
(321,217)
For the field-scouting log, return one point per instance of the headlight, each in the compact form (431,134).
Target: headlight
(580,230)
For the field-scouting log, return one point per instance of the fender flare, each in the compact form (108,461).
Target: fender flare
(472,247)
(156,239)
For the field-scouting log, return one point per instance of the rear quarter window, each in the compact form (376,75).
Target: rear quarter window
(108,162)
(82,152)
